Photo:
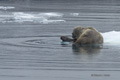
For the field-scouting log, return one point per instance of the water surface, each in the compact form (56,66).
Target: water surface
(30,45)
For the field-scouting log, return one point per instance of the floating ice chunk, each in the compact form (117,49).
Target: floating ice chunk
(21,15)
(30,17)
(36,18)
(74,14)
(51,21)
(51,14)
(112,37)
(7,7)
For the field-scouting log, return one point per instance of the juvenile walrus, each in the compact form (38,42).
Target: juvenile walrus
(84,35)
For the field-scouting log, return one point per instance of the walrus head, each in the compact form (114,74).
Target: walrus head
(87,35)
(78,31)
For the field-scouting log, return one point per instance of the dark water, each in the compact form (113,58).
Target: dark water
(30,47)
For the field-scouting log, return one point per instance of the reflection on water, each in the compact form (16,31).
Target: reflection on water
(93,49)
(86,53)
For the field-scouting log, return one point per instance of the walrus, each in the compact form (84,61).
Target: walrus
(84,35)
